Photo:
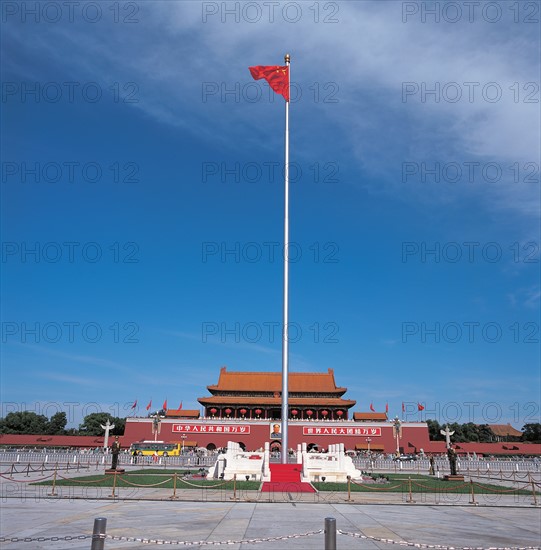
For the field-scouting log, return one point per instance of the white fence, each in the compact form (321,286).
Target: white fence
(93,459)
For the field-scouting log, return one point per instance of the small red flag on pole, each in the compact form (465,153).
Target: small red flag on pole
(134,405)
(149,405)
(420,407)
(372,407)
(386,407)
(403,407)
(164,406)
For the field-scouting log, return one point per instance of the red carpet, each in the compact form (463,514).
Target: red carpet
(286,478)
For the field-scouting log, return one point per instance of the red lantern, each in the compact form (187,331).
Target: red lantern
(213,411)
(339,413)
(243,411)
(309,412)
(258,411)
(324,413)
(228,411)
(294,412)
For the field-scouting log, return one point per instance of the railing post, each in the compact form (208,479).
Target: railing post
(533,493)
(349,489)
(98,535)
(330,534)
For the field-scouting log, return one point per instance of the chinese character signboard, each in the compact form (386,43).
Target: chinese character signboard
(212,428)
(372,432)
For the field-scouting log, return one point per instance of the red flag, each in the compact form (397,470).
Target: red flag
(149,405)
(372,407)
(180,406)
(386,407)
(403,407)
(164,406)
(275,75)
(134,405)
(420,407)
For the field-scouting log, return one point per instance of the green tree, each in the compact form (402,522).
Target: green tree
(434,430)
(486,435)
(92,424)
(531,432)
(57,424)
(24,422)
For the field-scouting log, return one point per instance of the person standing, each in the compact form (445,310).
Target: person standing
(115,451)
(451,455)
(431,470)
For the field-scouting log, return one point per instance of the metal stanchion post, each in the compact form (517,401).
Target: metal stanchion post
(349,489)
(472,501)
(330,534)
(174,486)
(235,487)
(410,497)
(53,493)
(114,485)
(98,535)
(533,493)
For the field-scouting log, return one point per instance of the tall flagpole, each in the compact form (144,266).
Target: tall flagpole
(285,343)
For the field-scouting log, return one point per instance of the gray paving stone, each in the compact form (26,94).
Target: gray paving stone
(28,511)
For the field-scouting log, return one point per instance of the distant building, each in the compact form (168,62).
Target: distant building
(505,432)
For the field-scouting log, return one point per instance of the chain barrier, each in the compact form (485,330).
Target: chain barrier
(262,539)
(28,480)
(43,539)
(431,546)
(211,542)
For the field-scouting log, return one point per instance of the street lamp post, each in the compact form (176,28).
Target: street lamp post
(368,441)
(397,425)
(183,437)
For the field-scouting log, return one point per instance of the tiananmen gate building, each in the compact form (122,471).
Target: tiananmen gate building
(245,407)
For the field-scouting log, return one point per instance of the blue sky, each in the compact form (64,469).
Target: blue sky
(155,214)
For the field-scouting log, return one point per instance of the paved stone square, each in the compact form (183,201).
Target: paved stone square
(447,525)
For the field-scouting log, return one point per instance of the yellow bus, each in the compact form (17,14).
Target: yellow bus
(153,448)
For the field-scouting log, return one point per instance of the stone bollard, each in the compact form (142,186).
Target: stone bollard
(330,534)
(98,535)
